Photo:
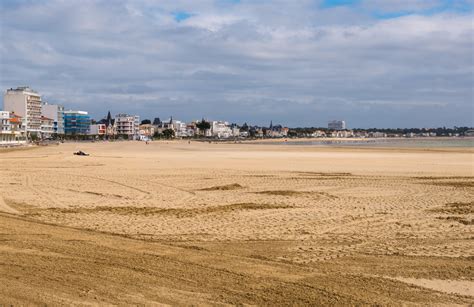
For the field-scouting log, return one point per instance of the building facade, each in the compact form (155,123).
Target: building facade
(11,130)
(110,126)
(56,113)
(98,130)
(147,131)
(221,129)
(47,127)
(128,125)
(276,131)
(337,125)
(76,123)
(26,103)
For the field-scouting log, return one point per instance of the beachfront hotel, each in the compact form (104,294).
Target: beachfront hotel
(25,102)
(128,125)
(76,122)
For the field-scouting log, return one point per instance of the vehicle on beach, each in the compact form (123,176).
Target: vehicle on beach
(80,153)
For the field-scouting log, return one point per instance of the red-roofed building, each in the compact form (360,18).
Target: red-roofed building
(12,131)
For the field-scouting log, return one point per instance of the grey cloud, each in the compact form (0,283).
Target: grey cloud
(253,61)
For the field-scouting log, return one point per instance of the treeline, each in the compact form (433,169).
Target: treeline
(438,131)
(400,131)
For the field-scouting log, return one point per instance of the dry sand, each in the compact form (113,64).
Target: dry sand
(199,223)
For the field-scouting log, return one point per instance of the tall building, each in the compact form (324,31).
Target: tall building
(26,103)
(76,122)
(337,125)
(128,125)
(56,113)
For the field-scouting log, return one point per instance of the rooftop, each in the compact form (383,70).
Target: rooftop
(22,89)
(76,112)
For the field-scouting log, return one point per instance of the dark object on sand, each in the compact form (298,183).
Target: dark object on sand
(81,153)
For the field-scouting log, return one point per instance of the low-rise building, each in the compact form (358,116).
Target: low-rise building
(147,131)
(97,130)
(318,134)
(377,134)
(243,134)
(12,131)
(110,126)
(191,129)
(469,132)
(180,129)
(47,127)
(342,134)
(221,129)
(276,131)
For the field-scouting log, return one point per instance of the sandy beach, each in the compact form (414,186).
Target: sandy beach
(213,224)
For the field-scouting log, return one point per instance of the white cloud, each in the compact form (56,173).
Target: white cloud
(291,61)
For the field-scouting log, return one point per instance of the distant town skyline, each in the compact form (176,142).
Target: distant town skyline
(302,63)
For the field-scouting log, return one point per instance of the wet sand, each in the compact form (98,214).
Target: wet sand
(180,223)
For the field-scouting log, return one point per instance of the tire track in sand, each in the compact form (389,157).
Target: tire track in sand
(29,184)
(6,208)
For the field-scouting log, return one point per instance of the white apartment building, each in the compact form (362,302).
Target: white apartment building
(377,134)
(11,131)
(47,127)
(180,128)
(318,134)
(342,134)
(128,125)
(221,129)
(26,103)
(98,129)
(56,113)
(337,125)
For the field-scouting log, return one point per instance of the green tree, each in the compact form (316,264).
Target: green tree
(203,126)
(244,127)
(168,133)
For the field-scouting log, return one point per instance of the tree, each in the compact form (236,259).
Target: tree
(168,133)
(203,126)
(146,122)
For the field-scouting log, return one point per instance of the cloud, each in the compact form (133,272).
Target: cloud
(296,62)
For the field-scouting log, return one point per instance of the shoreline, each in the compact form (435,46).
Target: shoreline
(352,140)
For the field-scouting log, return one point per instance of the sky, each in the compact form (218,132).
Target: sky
(372,63)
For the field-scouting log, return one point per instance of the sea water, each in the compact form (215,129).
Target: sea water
(383,142)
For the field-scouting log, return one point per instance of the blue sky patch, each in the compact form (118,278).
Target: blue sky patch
(181,15)
(333,3)
(446,6)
